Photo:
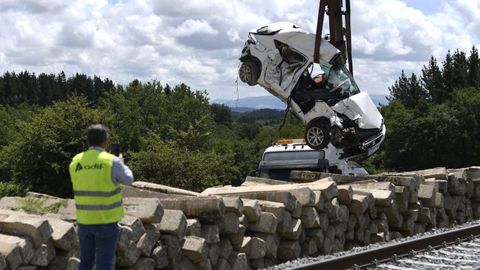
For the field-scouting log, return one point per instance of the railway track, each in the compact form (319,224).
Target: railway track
(462,255)
(454,249)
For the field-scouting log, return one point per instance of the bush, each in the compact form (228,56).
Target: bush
(166,163)
(12,189)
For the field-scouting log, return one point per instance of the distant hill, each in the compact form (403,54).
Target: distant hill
(252,103)
(242,109)
(261,114)
(249,104)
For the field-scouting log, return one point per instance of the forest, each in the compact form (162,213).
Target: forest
(174,136)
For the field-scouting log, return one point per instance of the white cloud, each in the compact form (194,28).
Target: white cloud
(193,27)
(77,35)
(198,42)
(32,6)
(233,35)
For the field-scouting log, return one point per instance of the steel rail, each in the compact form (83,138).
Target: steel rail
(381,254)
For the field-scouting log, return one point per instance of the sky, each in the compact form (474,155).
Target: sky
(198,42)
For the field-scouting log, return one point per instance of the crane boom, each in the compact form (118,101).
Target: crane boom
(340,36)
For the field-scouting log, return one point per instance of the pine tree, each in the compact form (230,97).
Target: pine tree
(447,76)
(2,92)
(46,85)
(416,92)
(8,88)
(408,91)
(398,89)
(27,88)
(168,90)
(432,80)
(61,91)
(474,69)
(460,70)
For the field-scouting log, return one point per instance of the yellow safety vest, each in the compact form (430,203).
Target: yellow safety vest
(97,199)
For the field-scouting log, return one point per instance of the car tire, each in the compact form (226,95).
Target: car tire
(317,135)
(249,72)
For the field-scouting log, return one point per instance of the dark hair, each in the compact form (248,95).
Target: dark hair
(97,134)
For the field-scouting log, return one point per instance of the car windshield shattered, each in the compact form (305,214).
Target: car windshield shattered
(340,79)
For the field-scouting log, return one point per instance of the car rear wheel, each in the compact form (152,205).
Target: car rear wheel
(317,135)
(249,73)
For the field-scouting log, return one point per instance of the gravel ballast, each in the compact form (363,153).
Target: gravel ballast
(310,260)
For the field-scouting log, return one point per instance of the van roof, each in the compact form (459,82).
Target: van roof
(332,154)
(288,147)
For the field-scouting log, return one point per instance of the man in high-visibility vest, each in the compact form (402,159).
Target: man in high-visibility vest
(96,177)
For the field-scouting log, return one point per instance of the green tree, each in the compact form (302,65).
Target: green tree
(444,132)
(8,188)
(172,134)
(474,68)
(167,163)
(40,154)
(182,115)
(460,70)
(9,117)
(397,139)
(221,114)
(432,80)
(409,91)
(465,106)
(448,79)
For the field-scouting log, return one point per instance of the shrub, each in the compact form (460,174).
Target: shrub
(11,189)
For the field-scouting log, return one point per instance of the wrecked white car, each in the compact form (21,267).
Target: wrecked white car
(279,57)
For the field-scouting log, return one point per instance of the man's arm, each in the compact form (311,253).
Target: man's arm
(121,174)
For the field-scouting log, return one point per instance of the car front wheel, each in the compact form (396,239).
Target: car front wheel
(249,73)
(317,135)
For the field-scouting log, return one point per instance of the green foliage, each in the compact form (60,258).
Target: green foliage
(474,68)
(166,163)
(408,91)
(40,205)
(45,89)
(182,115)
(440,129)
(221,114)
(9,117)
(432,81)
(11,189)
(41,152)
(170,135)
(266,115)
(460,67)
(173,136)
(448,74)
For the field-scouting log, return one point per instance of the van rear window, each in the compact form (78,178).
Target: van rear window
(294,155)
